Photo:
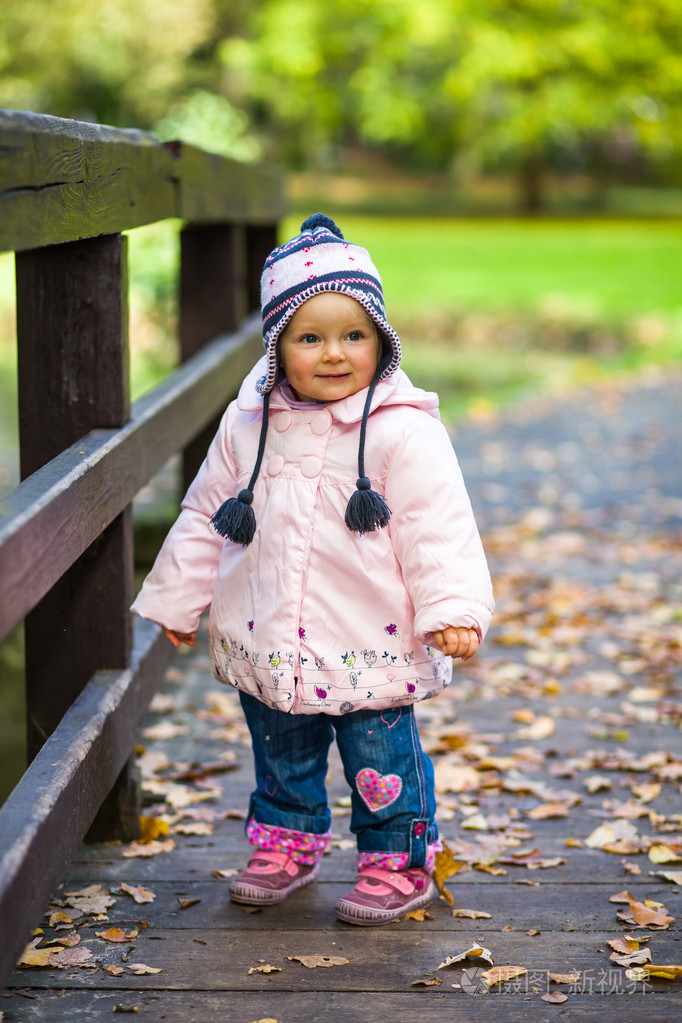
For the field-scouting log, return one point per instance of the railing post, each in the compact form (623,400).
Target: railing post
(72,327)
(260,241)
(213,301)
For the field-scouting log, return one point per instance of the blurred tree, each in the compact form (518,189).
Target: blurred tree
(525,85)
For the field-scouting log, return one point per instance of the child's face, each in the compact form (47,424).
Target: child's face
(330,348)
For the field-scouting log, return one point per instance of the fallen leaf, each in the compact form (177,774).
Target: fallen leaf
(165,730)
(115,971)
(627,944)
(33,956)
(116,934)
(427,982)
(64,917)
(533,933)
(631,868)
(266,1019)
(472,914)
(71,957)
(186,903)
(476,822)
(140,894)
(140,969)
(546,811)
(574,843)
(152,828)
(196,828)
(660,853)
(225,873)
(68,940)
(446,865)
(637,957)
(554,997)
(474,952)
(125,1008)
(641,915)
(670,875)
(654,970)
(486,868)
(598,783)
(610,832)
(149,849)
(565,978)
(541,728)
(455,777)
(499,974)
(419,915)
(319,960)
(265,968)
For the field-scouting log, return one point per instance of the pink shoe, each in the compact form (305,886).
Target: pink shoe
(381,896)
(270,877)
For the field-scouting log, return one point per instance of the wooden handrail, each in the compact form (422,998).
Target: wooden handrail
(67,191)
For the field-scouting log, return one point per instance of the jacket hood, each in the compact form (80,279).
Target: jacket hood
(398,389)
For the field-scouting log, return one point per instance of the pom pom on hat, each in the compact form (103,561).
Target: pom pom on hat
(319,220)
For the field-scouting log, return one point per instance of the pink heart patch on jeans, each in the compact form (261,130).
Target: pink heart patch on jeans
(378,790)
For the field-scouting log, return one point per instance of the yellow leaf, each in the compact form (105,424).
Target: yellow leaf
(472,914)
(32,956)
(152,828)
(660,853)
(486,868)
(545,811)
(654,970)
(115,971)
(265,968)
(446,865)
(418,914)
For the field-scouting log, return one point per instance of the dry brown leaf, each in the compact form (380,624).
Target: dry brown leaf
(565,978)
(115,971)
(554,997)
(487,868)
(574,843)
(67,940)
(641,915)
(627,944)
(165,730)
(125,1008)
(647,791)
(225,873)
(472,914)
(140,969)
(631,868)
(446,866)
(265,968)
(635,958)
(71,957)
(116,934)
(545,811)
(186,903)
(475,822)
(195,828)
(598,783)
(456,777)
(499,974)
(533,933)
(64,917)
(148,849)
(474,952)
(319,960)
(418,914)
(621,897)
(140,894)
(427,982)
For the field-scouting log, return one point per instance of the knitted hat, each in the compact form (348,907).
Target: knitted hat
(316,260)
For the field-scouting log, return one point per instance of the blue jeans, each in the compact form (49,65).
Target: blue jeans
(391,778)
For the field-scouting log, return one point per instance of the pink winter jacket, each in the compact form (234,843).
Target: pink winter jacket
(311,617)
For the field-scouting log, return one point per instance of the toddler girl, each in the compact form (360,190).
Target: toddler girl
(337,599)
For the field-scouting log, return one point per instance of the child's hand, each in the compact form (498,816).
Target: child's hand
(177,638)
(457,642)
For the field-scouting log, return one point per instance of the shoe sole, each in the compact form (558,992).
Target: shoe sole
(252,895)
(367,916)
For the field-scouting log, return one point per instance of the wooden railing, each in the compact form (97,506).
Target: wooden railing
(67,190)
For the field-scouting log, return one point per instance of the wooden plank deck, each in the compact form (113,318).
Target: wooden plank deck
(590,581)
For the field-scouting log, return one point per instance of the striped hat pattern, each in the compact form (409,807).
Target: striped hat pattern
(320,259)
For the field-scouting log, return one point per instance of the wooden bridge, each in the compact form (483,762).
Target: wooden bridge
(567,721)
